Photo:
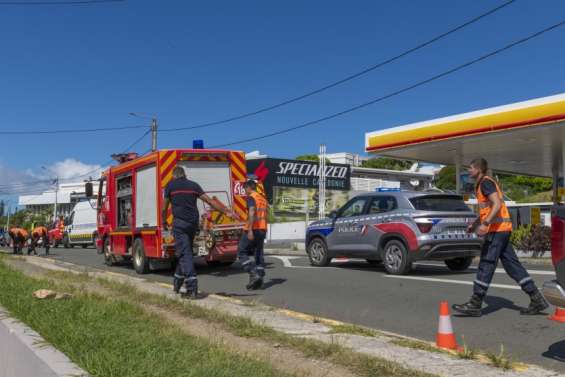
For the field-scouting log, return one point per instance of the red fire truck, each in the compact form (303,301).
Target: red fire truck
(131,196)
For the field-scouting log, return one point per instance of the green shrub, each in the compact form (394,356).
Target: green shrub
(535,239)
(519,234)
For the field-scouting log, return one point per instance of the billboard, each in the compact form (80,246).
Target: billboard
(274,172)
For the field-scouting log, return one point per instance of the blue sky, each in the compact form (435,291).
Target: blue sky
(192,62)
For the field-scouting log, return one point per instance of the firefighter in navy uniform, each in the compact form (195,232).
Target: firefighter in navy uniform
(182,195)
(495,224)
(253,237)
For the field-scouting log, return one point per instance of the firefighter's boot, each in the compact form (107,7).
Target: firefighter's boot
(191,289)
(255,282)
(177,283)
(471,308)
(537,304)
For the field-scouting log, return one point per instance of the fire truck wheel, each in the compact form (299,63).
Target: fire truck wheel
(318,253)
(459,264)
(395,258)
(140,261)
(109,258)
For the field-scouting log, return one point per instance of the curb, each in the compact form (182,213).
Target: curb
(18,343)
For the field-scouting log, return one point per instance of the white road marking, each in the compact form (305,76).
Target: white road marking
(287,263)
(285,259)
(498,270)
(463,282)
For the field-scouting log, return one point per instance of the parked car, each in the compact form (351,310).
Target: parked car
(397,228)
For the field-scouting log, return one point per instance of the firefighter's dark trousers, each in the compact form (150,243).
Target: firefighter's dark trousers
(35,241)
(497,246)
(18,243)
(254,248)
(184,233)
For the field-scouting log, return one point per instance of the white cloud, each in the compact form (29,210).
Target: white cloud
(10,176)
(71,168)
(14,182)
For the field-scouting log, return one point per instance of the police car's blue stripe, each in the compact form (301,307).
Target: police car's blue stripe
(324,231)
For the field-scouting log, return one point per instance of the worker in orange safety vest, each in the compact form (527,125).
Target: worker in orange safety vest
(19,237)
(39,233)
(495,224)
(253,237)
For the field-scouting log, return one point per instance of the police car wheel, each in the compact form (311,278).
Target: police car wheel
(140,260)
(318,253)
(395,258)
(459,264)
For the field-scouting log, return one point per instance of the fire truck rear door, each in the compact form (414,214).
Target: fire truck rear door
(213,177)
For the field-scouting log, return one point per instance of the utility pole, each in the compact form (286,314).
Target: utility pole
(8,222)
(153,134)
(322,183)
(56,195)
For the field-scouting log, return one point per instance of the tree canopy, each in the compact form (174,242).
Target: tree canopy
(386,163)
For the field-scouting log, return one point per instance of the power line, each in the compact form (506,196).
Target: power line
(69,131)
(18,190)
(137,141)
(345,79)
(77,2)
(400,91)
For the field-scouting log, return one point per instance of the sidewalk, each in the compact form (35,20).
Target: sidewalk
(24,353)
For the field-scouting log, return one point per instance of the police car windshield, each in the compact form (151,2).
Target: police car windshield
(439,203)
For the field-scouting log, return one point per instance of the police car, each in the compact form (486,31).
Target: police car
(397,228)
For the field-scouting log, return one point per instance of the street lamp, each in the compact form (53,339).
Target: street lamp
(56,182)
(153,128)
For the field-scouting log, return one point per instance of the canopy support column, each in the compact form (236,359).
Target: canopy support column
(458,172)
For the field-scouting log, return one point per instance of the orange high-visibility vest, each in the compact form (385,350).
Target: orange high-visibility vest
(39,231)
(19,232)
(260,221)
(502,221)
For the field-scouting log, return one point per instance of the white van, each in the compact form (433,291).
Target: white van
(81,226)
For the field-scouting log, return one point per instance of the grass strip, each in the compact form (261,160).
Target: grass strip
(354,330)
(361,364)
(114,337)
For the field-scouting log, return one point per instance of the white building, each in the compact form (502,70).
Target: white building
(67,196)
(369,179)
(346,158)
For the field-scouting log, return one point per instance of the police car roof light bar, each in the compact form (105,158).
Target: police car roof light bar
(388,189)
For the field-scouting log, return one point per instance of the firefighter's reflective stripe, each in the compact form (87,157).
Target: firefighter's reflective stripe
(502,222)
(260,221)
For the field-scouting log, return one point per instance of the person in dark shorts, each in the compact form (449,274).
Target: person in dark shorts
(182,194)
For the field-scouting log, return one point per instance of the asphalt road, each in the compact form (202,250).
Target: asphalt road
(355,292)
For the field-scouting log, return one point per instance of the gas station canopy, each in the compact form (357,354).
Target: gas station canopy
(521,138)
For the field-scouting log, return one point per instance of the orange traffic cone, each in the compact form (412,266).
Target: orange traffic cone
(445,337)
(559,315)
